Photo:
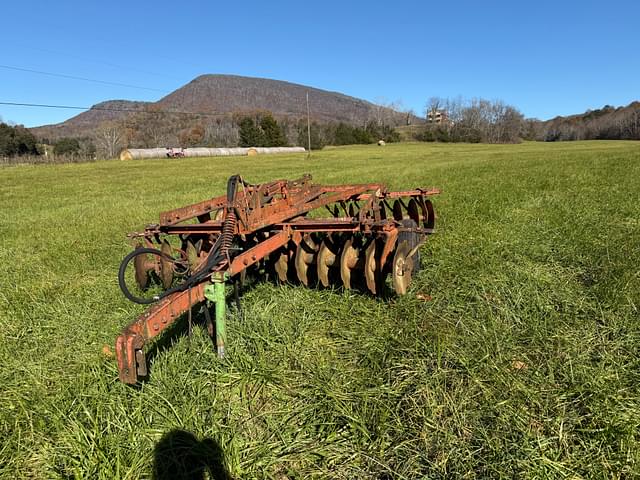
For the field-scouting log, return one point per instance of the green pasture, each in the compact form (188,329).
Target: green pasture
(516,353)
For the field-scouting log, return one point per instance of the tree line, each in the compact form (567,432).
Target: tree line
(266,131)
(17,140)
(446,120)
(607,123)
(485,121)
(471,121)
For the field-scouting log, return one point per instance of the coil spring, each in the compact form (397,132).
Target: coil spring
(228,230)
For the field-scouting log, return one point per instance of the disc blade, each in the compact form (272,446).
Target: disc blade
(383,210)
(348,261)
(325,260)
(192,254)
(370,267)
(402,268)
(352,210)
(398,214)
(430,222)
(305,256)
(414,213)
(166,265)
(140,265)
(281,266)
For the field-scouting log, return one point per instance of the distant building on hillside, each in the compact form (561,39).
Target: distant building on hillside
(437,116)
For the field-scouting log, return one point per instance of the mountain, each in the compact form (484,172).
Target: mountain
(230,94)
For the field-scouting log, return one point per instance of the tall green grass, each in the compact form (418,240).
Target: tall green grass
(525,362)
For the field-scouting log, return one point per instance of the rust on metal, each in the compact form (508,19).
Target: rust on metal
(371,233)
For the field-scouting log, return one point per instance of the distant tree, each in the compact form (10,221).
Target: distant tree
(380,132)
(409,114)
(17,140)
(152,127)
(110,138)
(433,105)
(388,113)
(250,134)
(362,136)
(530,129)
(343,135)
(192,137)
(606,123)
(88,149)
(273,133)
(472,121)
(221,132)
(317,141)
(425,135)
(66,146)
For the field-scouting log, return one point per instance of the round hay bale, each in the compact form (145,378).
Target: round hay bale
(125,155)
(252,152)
(381,143)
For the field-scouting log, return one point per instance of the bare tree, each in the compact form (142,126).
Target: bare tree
(607,123)
(475,120)
(151,127)
(110,139)
(385,112)
(434,104)
(221,132)
(409,115)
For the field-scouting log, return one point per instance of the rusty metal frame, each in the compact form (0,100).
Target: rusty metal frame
(277,209)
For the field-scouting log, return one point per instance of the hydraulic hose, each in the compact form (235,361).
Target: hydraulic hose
(218,253)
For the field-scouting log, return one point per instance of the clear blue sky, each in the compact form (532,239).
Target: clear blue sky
(547,58)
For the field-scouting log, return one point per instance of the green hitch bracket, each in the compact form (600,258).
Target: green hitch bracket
(215,293)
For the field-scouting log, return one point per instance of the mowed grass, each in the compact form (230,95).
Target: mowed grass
(524,362)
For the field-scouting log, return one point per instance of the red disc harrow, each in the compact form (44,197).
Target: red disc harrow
(272,229)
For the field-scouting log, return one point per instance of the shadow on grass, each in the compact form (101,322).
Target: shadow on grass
(179,455)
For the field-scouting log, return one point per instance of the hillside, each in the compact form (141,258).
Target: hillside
(86,122)
(606,123)
(230,94)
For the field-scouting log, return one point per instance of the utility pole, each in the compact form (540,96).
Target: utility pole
(308,125)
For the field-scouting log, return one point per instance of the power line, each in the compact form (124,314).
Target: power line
(102,62)
(73,77)
(112,109)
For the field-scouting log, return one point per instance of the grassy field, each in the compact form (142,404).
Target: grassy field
(524,363)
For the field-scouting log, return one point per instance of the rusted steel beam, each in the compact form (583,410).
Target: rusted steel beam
(151,324)
(319,224)
(405,193)
(362,187)
(213,226)
(261,216)
(411,193)
(257,253)
(281,213)
(194,210)
(177,215)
